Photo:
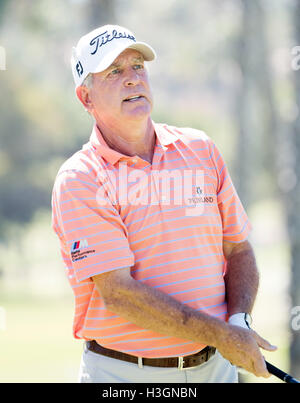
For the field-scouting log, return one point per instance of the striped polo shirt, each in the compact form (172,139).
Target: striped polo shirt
(166,220)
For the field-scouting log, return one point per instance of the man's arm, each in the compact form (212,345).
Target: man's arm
(241,278)
(154,310)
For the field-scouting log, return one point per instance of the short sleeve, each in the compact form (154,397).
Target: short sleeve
(88,224)
(235,222)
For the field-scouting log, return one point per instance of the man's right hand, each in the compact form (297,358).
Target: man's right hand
(241,347)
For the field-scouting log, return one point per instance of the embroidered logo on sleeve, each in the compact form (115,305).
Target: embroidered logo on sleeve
(79,245)
(76,250)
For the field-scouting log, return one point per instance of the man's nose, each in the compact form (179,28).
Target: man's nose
(132,78)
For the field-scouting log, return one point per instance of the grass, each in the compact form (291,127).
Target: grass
(37,344)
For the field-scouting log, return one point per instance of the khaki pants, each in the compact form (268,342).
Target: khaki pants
(95,368)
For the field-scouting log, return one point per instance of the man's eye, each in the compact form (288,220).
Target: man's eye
(138,66)
(115,71)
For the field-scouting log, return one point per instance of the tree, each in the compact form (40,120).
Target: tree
(3,4)
(100,12)
(256,109)
(292,202)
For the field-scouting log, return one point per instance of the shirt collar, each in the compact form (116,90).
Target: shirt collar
(99,144)
(164,137)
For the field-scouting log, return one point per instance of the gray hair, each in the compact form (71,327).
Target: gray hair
(88,81)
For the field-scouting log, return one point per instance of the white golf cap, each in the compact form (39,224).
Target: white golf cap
(97,50)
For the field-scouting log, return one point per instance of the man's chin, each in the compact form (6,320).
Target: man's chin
(138,113)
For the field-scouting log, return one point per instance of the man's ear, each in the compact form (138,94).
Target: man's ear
(83,94)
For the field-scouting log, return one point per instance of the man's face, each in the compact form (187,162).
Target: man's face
(122,91)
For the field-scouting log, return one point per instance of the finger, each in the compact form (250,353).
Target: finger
(260,367)
(263,343)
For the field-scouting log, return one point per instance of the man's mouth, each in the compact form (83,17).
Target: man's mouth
(133,98)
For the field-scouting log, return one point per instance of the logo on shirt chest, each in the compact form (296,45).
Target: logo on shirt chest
(197,198)
(200,197)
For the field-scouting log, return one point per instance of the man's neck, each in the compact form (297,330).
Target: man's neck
(138,140)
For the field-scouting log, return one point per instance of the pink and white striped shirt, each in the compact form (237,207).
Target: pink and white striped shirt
(166,220)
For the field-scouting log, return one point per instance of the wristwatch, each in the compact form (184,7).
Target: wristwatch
(242,319)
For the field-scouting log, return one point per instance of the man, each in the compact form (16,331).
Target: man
(152,233)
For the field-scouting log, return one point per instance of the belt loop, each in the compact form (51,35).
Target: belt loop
(140,362)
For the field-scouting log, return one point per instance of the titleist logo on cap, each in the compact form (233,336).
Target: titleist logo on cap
(103,38)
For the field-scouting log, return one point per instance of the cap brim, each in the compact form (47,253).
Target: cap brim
(146,50)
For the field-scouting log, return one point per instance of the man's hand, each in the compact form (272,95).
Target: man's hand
(241,348)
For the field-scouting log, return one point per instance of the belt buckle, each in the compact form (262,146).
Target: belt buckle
(180,363)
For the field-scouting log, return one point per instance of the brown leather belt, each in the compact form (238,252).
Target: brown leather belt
(179,362)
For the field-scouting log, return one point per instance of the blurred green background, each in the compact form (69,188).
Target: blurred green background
(228,67)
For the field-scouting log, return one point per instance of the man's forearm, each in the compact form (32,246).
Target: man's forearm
(151,309)
(241,279)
